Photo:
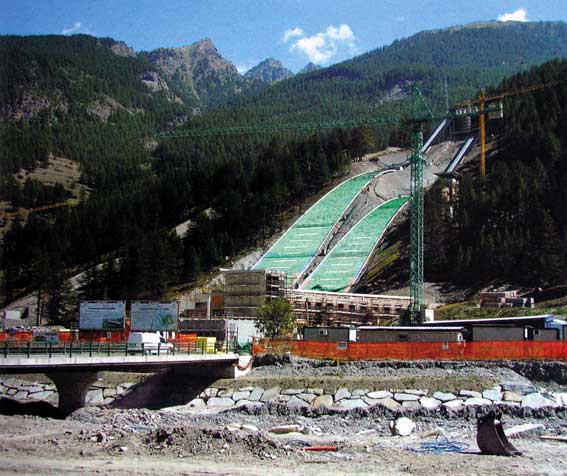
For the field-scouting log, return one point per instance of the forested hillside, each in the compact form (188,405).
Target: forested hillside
(93,101)
(231,189)
(511,226)
(75,97)
(470,58)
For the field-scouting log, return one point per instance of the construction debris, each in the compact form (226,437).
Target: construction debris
(491,438)
(402,426)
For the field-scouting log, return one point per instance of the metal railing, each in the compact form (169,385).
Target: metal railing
(98,349)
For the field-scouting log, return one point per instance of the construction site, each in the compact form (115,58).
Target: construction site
(358,380)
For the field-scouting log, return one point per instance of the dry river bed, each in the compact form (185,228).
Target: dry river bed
(181,442)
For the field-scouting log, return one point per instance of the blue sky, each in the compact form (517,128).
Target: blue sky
(248,31)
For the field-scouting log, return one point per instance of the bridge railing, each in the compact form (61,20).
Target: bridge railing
(98,349)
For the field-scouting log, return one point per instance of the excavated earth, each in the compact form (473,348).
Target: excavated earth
(184,440)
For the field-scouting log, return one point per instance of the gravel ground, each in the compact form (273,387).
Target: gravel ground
(141,442)
(188,441)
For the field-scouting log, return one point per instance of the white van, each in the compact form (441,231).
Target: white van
(148,343)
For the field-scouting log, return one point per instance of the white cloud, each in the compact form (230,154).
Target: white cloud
(77,27)
(519,15)
(321,47)
(243,68)
(292,33)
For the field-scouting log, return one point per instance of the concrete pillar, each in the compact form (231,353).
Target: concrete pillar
(72,387)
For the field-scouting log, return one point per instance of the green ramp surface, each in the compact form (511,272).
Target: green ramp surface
(344,262)
(299,245)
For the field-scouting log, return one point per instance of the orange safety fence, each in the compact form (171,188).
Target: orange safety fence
(103,336)
(486,350)
(184,338)
(18,336)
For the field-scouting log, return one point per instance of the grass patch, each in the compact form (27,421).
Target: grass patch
(471,310)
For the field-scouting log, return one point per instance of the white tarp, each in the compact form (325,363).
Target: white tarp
(102,315)
(154,316)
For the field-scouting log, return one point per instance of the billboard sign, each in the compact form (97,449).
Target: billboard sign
(102,315)
(154,316)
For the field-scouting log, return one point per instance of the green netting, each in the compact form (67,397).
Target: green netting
(343,264)
(293,252)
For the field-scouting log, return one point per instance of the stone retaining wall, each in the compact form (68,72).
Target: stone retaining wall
(24,390)
(505,394)
(516,395)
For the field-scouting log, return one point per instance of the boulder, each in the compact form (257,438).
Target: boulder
(220,402)
(307,397)
(494,395)
(509,396)
(537,400)
(197,403)
(474,401)
(429,403)
(561,399)
(444,396)
(124,387)
(325,401)
(316,391)
(294,401)
(245,389)
(521,388)
(94,397)
(284,398)
(453,404)
(379,394)
(470,394)
(411,405)
(256,394)
(270,395)
(209,392)
(109,392)
(32,388)
(240,395)
(524,430)
(402,426)
(21,395)
(342,393)
(406,397)
(225,392)
(43,395)
(389,403)
(352,403)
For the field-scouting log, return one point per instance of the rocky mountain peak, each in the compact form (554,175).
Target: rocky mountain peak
(122,49)
(269,71)
(310,67)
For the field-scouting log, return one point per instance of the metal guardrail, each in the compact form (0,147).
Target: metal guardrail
(97,349)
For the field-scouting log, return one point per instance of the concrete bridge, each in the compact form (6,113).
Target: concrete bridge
(74,374)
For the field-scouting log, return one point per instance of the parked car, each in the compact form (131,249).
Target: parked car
(148,343)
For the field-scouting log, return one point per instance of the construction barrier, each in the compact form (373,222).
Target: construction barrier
(103,336)
(486,350)
(185,338)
